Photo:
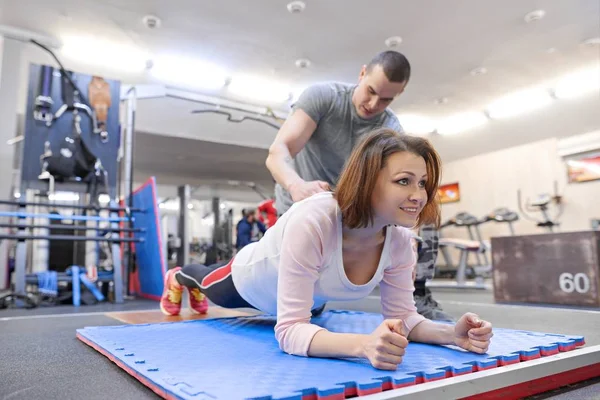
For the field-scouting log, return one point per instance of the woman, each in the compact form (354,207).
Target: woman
(339,246)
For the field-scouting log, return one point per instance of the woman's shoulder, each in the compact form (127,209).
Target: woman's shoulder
(402,233)
(323,205)
(317,215)
(402,245)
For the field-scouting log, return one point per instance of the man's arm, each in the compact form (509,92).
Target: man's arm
(261,227)
(312,105)
(291,138)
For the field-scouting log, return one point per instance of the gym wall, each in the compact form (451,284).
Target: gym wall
(491,180)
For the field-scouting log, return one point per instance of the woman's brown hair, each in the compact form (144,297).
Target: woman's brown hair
(357,181)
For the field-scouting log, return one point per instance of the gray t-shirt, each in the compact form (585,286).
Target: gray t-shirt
(339,128)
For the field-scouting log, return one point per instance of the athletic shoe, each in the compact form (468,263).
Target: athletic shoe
(170,302)
(198,301)
(429,308)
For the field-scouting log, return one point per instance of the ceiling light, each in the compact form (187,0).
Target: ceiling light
(478,71)
(152,21)
(519,103)
(578,83)
(460,123)
(101,53)
(303,63)
(591,42)
(189,72)
(534,16)
(296,7)
(260,89)
(393,41)
(416,124)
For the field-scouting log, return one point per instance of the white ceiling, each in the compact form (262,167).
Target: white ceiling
(443,40)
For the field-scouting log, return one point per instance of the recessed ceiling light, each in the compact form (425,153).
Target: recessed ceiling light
(518,103)
(303,63)
(393,41)
(416,124)
(461,122)
(591,42)
(296,7)
(478,71)
(151,21)
(534,16)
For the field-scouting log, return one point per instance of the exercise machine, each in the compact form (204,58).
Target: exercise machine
(502,215)
(474,245)
(466,247)
(542,205)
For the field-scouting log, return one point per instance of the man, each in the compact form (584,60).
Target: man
(248,229)
(311,147)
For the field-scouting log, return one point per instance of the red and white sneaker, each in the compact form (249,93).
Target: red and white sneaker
(198,301)
(170,301)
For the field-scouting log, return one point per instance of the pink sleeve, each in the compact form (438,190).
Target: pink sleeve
(301,257)
(397,286)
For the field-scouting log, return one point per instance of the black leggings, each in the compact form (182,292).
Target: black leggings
(215,282)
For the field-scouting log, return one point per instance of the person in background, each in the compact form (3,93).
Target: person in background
(249,229)
(267,213)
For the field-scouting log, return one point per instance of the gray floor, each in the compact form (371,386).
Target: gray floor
(41,358)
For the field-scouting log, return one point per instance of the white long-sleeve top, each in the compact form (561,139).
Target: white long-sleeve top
(297,266)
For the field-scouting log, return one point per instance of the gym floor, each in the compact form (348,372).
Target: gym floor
(41,358)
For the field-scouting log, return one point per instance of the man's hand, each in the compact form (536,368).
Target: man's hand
(302,189)
(385,347)
(473,334)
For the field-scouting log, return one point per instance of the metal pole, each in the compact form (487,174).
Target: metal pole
(70,206)
(10,85)
(216,208)
(117,265)
(128,176)
(20,267)
(59,217)
(73,228)
(480,239)
(74,238)
(129,130)
(183,253)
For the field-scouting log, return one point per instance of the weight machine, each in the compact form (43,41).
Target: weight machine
(542,204)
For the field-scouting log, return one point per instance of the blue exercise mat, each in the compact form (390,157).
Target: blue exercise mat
(239,358)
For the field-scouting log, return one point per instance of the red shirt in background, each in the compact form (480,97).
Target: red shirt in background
(267,207)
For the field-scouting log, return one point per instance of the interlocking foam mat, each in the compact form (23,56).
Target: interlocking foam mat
(239,358)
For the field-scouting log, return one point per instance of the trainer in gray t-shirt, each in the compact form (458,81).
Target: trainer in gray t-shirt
(338,130)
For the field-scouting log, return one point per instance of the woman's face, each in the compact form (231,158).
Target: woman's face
(399,195)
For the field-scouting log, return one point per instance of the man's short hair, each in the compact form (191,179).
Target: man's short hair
(395,66)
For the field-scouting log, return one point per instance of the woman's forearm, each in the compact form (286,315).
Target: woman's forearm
(337,345)
(431,332)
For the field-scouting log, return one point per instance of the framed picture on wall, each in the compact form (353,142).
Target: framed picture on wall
(449,193)
(584,169)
